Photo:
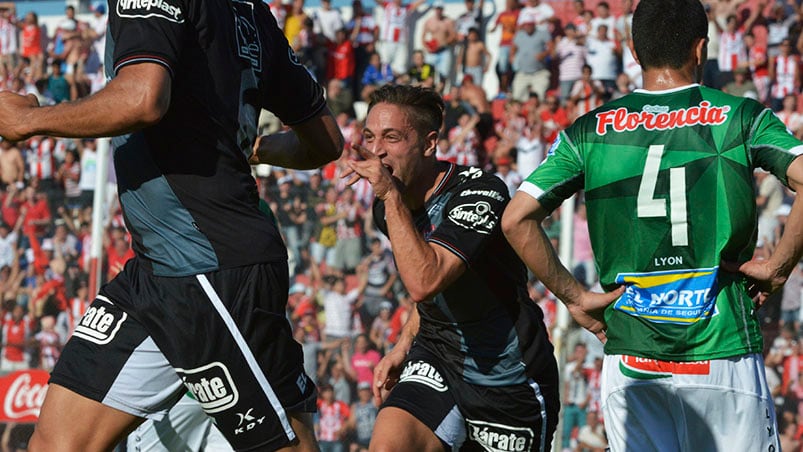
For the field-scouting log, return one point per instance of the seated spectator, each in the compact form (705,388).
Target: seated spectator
(57,84)
(420,73)
(741,86)
(363,418)
(591,437)
(338,98)
(376,74)
(509,176)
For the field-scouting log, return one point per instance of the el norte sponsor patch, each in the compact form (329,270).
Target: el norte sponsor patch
(144,9)
(650,369)
(681,297)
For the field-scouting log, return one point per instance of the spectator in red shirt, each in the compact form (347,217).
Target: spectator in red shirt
(341,63)
(36,211)
(553,117)
(16,331)
(118,253)
(333,416)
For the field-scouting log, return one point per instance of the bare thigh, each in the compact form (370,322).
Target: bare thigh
(70,422)
(398,430)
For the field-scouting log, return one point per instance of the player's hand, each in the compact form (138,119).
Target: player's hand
(763,278)
(371,169)
(12,109)
(387,373)
(589,311)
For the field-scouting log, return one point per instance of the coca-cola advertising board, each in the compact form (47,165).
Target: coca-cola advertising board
(22,393)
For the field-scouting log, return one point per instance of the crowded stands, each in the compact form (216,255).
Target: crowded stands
(512,75)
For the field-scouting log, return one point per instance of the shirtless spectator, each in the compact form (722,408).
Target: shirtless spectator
(475,95)
(438,36)
(12,166)
(474,57)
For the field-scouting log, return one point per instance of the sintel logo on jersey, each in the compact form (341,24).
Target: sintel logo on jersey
(659,117)
(681,297)
(143,9)
(211,385)
(476,216)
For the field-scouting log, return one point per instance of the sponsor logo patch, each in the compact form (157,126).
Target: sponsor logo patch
(423,373)
(471,173)
(248,45)
(145,9)
(660,117)
(493,194)
(500,438)
(211,385)
(681,297)
(650,369)
(247,421)
(99,325)
(476,216)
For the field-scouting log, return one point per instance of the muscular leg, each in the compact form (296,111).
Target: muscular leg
(305,433)
(398,430)
(72,423)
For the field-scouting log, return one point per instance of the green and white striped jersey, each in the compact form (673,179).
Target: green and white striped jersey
(668,180)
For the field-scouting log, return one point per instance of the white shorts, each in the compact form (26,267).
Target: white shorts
(719,405)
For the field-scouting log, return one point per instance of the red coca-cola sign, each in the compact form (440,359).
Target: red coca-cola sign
(22,393)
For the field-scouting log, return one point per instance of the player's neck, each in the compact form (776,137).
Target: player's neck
(665,78)
(425,186)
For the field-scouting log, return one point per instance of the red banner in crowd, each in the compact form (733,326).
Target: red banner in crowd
(22,394)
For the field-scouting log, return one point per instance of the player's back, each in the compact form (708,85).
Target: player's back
(670,195)
(185,184)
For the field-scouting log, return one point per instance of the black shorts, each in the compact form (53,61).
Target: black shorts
(469,417)
(223,335)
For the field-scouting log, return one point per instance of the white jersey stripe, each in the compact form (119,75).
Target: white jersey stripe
(248,354)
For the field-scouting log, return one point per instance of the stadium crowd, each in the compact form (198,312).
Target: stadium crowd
(347,304)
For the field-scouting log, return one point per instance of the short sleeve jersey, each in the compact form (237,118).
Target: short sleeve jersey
(485,322)
(668,180)
(185,183)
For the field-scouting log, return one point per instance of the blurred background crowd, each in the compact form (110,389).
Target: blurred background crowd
(512,74)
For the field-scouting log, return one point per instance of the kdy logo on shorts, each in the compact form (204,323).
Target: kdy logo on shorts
(100,325)
(500,438)
(423,373)
(212,386)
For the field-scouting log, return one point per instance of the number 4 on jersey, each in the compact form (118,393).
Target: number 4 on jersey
(651,207)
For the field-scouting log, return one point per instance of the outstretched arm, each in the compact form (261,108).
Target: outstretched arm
(521,224)
(310,144)
(771,274)
(136,98)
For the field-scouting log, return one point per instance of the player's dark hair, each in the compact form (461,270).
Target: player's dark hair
(664,31)
(424,106)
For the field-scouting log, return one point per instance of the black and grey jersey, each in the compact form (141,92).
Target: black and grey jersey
(485,321)
(185,184)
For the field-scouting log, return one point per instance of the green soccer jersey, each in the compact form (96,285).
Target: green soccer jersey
(668,180)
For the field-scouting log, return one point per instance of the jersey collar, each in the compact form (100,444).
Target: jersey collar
(666,91)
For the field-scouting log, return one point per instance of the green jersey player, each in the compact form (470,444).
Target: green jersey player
(667,173)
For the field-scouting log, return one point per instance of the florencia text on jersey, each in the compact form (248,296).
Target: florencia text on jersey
(660,117)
